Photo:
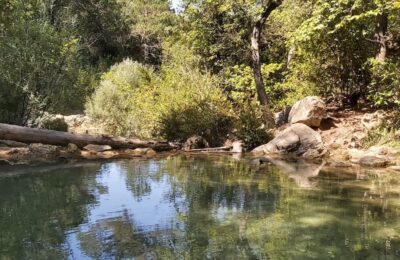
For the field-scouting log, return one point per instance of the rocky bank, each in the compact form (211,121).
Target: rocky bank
(312,130)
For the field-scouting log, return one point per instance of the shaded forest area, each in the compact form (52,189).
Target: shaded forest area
(210,68)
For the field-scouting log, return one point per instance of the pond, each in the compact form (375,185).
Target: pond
(197,207)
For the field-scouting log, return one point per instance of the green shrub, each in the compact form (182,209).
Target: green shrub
(384,89)
(56,124)
(382,135)
(132,100)
(249,125)
(281,91)
(113,102)
(188,102)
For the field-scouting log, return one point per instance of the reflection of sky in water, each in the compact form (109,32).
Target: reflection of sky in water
(151,212)
(185,207)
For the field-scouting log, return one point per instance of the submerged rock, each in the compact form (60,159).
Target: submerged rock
(298,140)
(309,111)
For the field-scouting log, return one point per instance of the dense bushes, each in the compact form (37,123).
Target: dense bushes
(113,102)
(56,124)
(185,73)
(190,102)
(181,101)
(384,88)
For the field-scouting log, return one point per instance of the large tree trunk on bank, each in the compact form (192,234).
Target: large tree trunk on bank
(34,135)
(381,35)
(255,50)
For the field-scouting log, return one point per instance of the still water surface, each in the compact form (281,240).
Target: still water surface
(197,207)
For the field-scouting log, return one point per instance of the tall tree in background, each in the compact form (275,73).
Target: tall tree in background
(255,48)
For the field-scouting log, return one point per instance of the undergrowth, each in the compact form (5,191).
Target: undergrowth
(383,135)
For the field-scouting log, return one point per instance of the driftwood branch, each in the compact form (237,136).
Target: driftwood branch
(34,135)
(213,149)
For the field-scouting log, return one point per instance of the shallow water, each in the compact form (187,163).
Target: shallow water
(197,207)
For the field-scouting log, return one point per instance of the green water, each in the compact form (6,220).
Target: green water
(197,208)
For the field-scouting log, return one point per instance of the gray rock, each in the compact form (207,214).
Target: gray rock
(195,142)
(97,148)
(298,140)
(374,161)
(309,111)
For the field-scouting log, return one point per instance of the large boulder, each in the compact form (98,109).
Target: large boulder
(308,111)
(297,140)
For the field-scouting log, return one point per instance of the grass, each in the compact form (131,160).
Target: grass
(383,135)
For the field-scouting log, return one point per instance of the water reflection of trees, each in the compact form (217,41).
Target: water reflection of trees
(232,211)
(37,210)
(224,210)
(113,238)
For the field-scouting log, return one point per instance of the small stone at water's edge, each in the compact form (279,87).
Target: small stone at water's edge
(97,148)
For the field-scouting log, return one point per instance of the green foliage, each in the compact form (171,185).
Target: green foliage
(57,124)
(38,69)
(180,102)
(149,22)
(383,135)
(249,125)
(179,74)
(113,100)
(219,31)
(52,52)
(281,91)
(190,102)
(384,89)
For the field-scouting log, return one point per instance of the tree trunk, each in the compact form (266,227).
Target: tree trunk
(381,35)
(34,135)
(255,50)
(291,54)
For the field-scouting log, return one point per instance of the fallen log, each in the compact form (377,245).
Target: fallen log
(213,149)
(35,135)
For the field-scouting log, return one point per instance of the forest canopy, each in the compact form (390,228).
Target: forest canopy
(208,67)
